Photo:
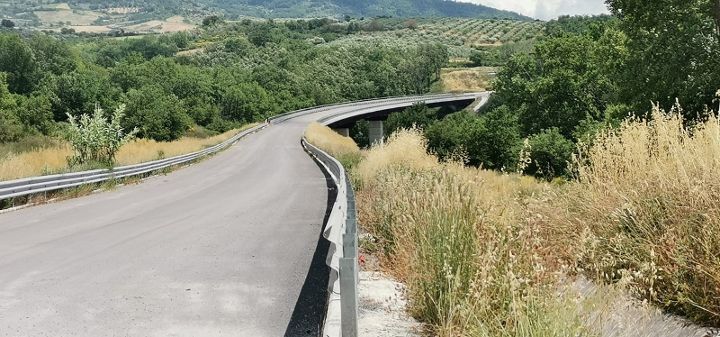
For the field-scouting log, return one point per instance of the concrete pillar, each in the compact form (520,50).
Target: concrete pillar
(376,132)
(345,132)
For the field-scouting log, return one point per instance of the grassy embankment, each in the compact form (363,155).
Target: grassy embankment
(51,156)
(490,254)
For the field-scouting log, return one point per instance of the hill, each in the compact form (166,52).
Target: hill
(111,10)
(369,8)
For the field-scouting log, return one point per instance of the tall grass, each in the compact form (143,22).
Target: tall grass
(342,148)
(484,253)
(54,159)
(458,237)
(647,207)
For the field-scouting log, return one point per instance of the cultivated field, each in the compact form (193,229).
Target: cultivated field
(460,35)
(63,16)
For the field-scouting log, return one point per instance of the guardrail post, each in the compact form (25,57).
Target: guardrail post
(349,299)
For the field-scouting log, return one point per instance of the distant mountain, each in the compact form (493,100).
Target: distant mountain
(360,8)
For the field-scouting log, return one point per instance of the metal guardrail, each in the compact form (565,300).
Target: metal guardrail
(342,233)
(22,187)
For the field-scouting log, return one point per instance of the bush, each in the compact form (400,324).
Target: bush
(550,153)
(96,139)
(489,141)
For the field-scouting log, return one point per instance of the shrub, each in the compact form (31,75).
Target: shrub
(96,139)
(550,153)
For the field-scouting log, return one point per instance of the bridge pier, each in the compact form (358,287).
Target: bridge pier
(345,132)
(376,132)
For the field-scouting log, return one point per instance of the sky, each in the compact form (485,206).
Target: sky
(547,9)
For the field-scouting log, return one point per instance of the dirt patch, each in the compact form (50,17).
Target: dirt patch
(383,308)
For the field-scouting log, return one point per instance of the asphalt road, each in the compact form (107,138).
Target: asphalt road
(220,248)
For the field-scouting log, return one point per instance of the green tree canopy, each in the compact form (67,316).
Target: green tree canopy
(156,113)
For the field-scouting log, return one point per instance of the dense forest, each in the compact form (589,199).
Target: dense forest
(240,73)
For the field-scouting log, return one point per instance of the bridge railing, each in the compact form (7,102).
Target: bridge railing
(28,186)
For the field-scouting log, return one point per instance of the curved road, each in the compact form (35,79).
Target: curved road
(220,248)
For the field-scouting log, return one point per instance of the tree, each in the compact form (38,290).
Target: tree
(156,113)
(563,82)
(18,61)
(5,23)
(673,52)
(246,103)
(10,126)
(418,115)
(35,112)
(489,141)
(212,20)
(52,55)
(80,90)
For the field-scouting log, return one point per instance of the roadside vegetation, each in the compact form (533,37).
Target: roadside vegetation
(486,253)
(53,158)
(584,165)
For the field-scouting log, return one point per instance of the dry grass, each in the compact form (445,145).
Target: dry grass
(36,162)
(340,147)
(459,239)
(143,150)
(483,253)
(467,79)
(54,159)
(75,17)
(646,209)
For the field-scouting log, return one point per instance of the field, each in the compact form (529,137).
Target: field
(467,79)
(476,32)
(82,19)
(462,36)
(63,16)
(170,25)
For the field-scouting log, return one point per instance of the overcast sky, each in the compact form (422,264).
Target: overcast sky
(547,9)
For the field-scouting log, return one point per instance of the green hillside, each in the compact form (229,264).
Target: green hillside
(286,8)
